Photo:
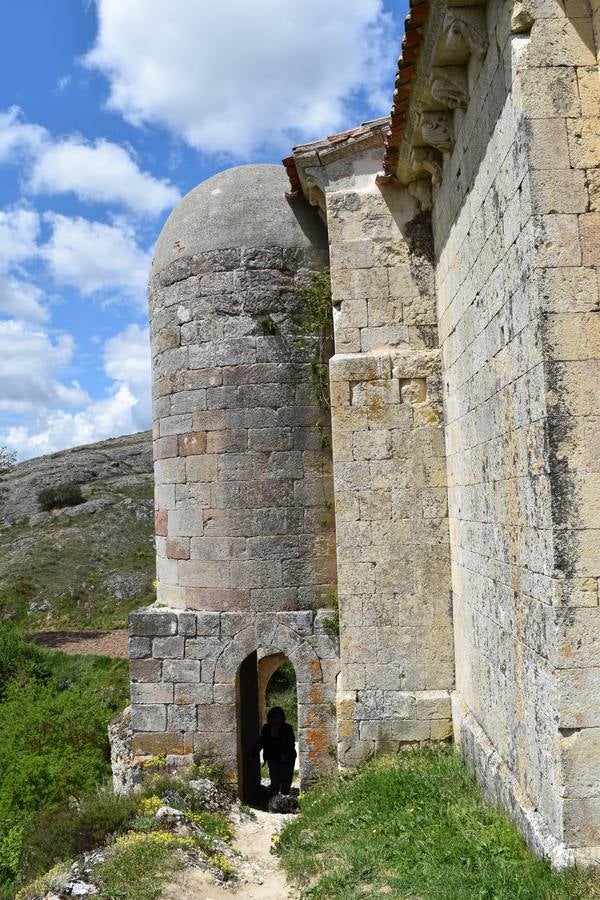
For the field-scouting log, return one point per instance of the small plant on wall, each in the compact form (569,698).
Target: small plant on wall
(315,324)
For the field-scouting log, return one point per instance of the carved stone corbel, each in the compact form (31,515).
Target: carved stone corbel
(437,130)
(421,191)
(448,86)
(464,31)
(316,197)
(425,159)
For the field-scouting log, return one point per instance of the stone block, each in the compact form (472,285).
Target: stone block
(182,717)
(168,647)
(186,522)
(559,191)
(216,718)
(207,647)
(181,670)
(140,647)
(178,548)
(192,444)
(589,229)
(148,717)
(152,623)
(156,692)
(193,693)
(159,743)
(145,669)
(201,468)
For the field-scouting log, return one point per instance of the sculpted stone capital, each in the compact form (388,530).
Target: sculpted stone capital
(421,191)
(437,130)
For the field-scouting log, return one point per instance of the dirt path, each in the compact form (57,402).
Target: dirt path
(263,879)
(84,643)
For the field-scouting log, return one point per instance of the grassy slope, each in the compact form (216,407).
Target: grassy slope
(64,563)
(416,826)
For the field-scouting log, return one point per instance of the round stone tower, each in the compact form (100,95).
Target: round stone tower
(244,520)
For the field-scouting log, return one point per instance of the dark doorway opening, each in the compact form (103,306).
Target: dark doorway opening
(261,684)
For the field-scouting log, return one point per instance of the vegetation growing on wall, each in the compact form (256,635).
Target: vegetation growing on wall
(282,691)
(316,323)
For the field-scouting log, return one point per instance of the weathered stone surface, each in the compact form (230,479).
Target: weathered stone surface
(466,477)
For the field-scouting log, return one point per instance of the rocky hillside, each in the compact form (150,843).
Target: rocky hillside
(82,566)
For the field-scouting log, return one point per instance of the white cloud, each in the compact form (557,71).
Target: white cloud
(235,76)
(30,363)
(21,299)
(99,172)
(102,172)
(125,409)
(18,137)
(94,257)
(19,229)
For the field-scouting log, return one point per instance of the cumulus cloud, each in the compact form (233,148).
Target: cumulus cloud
(22,299)
(102,172)
(18,137)
(99,171)
(95,257)
(30,363)
(19,230)
(124,409)
(233,77)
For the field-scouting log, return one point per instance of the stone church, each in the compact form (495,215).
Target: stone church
(450,496)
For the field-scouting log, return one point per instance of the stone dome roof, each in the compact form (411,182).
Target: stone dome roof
(241,207)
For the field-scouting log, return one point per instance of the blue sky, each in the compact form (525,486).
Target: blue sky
(109,112)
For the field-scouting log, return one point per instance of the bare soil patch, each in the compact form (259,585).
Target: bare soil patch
(84,643)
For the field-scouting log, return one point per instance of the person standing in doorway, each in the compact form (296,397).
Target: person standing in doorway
(278,743)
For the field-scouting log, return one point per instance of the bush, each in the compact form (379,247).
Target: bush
(19,660)
(68,832)
(54,710)
(60,496)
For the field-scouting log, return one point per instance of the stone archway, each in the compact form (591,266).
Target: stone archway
(267,666)
(252,679)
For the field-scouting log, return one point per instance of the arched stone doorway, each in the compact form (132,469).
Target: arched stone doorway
(252,682)
(315,734)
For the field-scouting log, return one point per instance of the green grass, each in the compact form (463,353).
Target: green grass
(416,826)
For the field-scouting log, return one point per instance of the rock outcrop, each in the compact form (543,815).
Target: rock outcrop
(83,565)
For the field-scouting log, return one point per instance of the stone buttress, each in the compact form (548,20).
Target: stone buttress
(393,553)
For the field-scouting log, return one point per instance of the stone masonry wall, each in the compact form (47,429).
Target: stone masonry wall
(516,236)
(389,465)
(184,666)
(243,488)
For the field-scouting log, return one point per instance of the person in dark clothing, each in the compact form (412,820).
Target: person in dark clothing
(278,743)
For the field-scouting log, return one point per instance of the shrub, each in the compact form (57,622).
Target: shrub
(67,832)
(54,710)
(60,496)
(139,865)
(19,659)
